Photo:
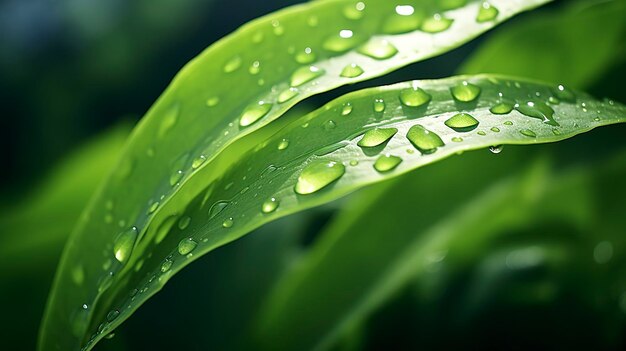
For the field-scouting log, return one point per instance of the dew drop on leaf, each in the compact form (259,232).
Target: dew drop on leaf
(304,75)
(495,129)
(270,205)
(168,122)
(233,64)
(564,94)
(305,56)
(462,122)
(318,175)
(287,95)
(457,139)
(186,246)
(378,49)
(496,149)
(465,92)
(346,109)
(212,101)
(414,97)
(184,222)
(354,12)
(387,162)
(254,112)
(486,12)
(198,161)
(217,207)
(379,105)
(166,265)
(124,244)
(528,133)
(112,315)
(376,137)
(537,110)
(329,125)
(404,20)
(351,71)
(502,108)
(283,144)
(228,223)
(435,24)
(424,140)
(341,42)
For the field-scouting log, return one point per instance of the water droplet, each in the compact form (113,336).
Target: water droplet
(346,109)
(462,122)
(329,125)
(287,95)
(565,94)
(233,64)
(403,21)
(414,97)
(386,163)
(270,205)
(312,21)
(198,161)
(354,163)
(305,74)
(424,140)
(436,24)
(457,139)
(487,12)
(186,246)
(341,42)
(217,207)
(184,222)
(376,137)
(254,112)
(176,177)
(153,207)
(495,129)
(502,108)
(228,222)
(603,252)
(538,110)
(124,244)
(283,144)
(278,29)
(554,101)
(465,92)
(496,149)
(305,56)
(255,68)
(528,133)
(481,133)
(166,265)
(379,105)
(351,71)
(508,123)
(212,101)
(317,175)
(354,12)
(112,315)
(168,122)
(379,49)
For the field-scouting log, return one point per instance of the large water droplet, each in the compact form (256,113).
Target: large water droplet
(424,140)
(502,108)
(318,175)
(465,92)
(283,144)
(186,246)
(169,120)
(287,95)
(233,64)
(346,109)
(414,97)
(462,122)
(379,105)
(538,110)
(124,244)
(487,12)
(351,71)
(217,207)
(198,161)
(496,149)
(305,56)
(436,24)
(376,137)
(387,162)
(304,75)
(379,49)
(254,112)
(228,222)
(341,42)
(270,205)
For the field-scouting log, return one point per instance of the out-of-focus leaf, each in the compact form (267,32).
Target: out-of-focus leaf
(574,45)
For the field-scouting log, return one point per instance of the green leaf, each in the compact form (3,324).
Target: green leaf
(567,40)
(234,88)
(322,161)
(393,241)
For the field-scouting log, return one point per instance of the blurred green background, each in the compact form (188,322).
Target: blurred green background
(77,74)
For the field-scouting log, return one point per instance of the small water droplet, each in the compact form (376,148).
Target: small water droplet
(437,23)
(379,49)
(217,207)
(329,125)
(283,144)
(270,205)
(287,95)
(457,139)
(528,133)
(502,108)
(212,101)
(169,120)
(228,222)
(481,133)
(278,29)
(124,244)
(112,315)
(404,20)
(166,265)
(354,163)
(184,222)
(304,75)
(186,246)
(465,92)
(351,71)
(379,105)
(487,12)
(537,110)
(254,112)
(564,94)
(153,207)
(305,56)
(341,42)
(424,140)
(495,129)
(317,175)
(386,163)
(255,68)
(176,177)
(462,122)
(496,149)
(376,137)
(508,123)
(414,97)
(354,12)
(346,109)
(233,64)
(198,161)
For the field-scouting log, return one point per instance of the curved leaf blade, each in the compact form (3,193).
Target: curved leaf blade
(262,185)
(235,87)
